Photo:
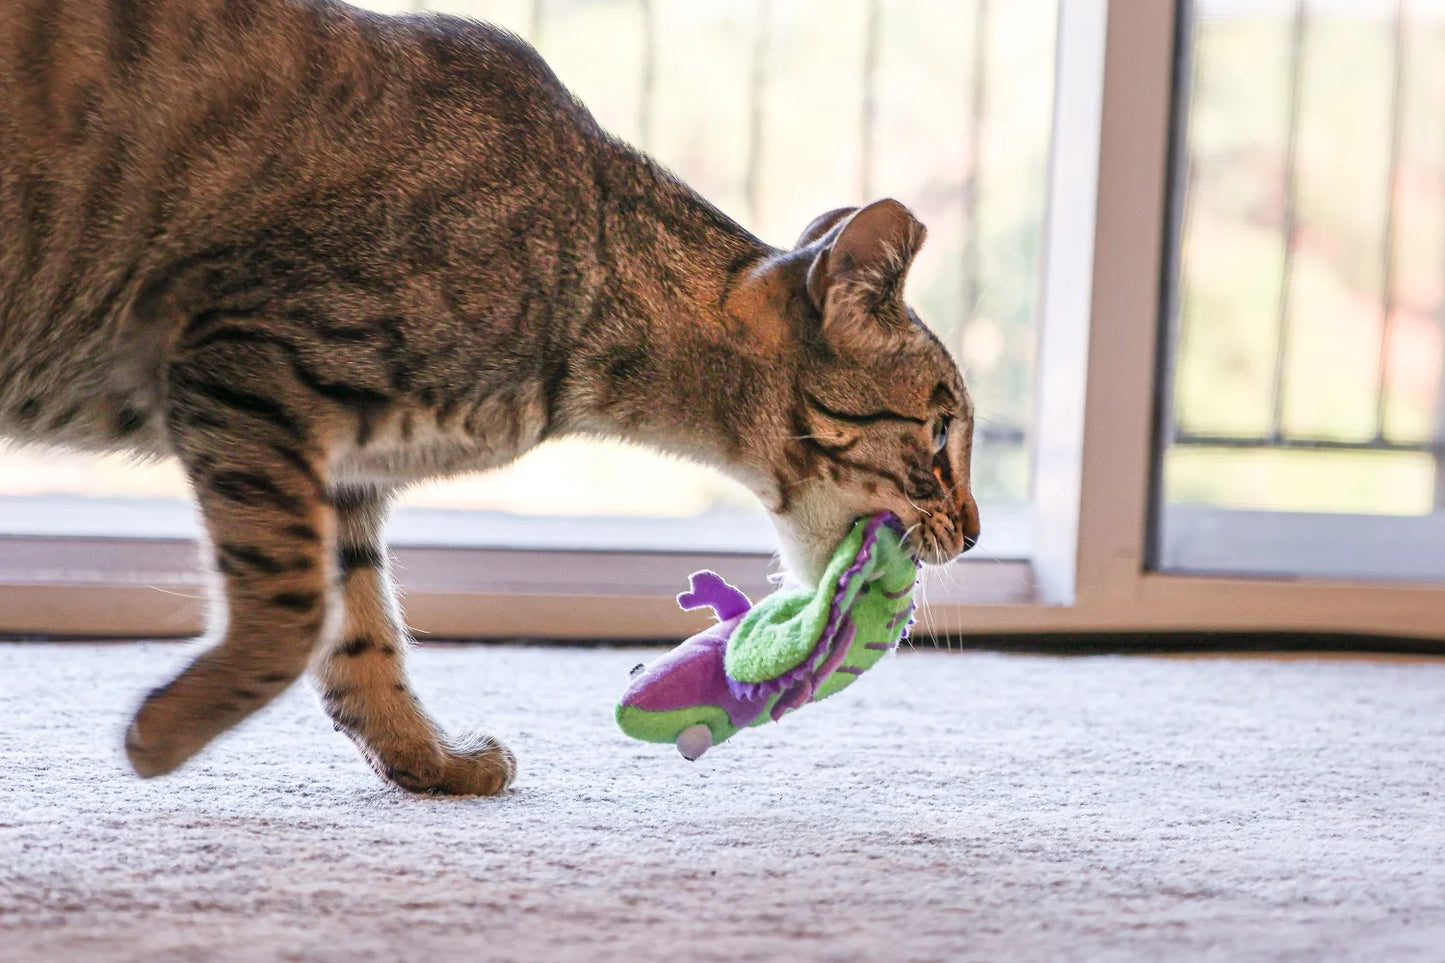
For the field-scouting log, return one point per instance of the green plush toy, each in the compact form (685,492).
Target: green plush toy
(761,661)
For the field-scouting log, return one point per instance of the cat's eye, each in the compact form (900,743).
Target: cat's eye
(940,435)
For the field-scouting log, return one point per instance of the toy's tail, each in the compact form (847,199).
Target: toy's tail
(709,588)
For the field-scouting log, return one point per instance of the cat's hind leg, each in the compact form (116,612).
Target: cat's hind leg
(257,474)
(361,674)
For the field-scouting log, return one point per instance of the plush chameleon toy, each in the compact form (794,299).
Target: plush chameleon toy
(761,661)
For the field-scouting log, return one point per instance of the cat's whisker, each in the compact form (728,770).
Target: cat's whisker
(947,642)
(977,547)
(922,613)
(179,595)
(930,624)
(986,417)
(957,580)
(924,512)
(908,532)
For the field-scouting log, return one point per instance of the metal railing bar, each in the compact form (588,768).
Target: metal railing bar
(649,74)
(871,43)
(1288,225)
(999,434)
(1175,303)
(1440,423)
(973,158)
(1173,299)
(757,80)
(1439,442)
(1387,254)
(1194,440)
(1439,438)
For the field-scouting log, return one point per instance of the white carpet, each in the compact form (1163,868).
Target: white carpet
(947,807)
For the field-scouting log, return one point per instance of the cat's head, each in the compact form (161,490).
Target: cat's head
(880,418)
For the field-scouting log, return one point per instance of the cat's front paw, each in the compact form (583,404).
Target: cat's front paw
(177,720)
(477,766)
(163,735)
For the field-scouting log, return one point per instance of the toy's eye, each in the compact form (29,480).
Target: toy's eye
(940,435)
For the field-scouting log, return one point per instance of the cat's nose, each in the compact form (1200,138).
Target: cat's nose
(968,521)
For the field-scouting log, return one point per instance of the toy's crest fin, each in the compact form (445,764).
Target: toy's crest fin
(709,588)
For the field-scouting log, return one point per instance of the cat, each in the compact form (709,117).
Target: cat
(317,254)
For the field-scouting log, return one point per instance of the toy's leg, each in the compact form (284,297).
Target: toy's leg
(693,741)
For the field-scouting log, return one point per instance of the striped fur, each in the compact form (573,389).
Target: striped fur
(316,254)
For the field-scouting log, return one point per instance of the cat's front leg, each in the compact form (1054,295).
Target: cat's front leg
(361,673)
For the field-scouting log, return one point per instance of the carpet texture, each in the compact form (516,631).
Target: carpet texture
(947,807)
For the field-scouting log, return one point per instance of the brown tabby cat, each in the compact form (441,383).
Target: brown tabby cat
(317,254)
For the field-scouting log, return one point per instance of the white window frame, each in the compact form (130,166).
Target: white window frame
(1097,376)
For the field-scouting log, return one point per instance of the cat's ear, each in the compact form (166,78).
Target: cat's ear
(822,224)
(866,261)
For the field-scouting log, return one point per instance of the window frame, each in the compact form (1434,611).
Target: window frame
(1113,586)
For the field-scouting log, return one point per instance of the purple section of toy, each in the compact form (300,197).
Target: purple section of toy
(692,675)
(709,588)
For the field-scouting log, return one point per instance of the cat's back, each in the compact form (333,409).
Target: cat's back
(137,136)
(158,117)
(116,115)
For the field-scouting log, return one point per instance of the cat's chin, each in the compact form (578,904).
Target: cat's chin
(807,541)
(802,568)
